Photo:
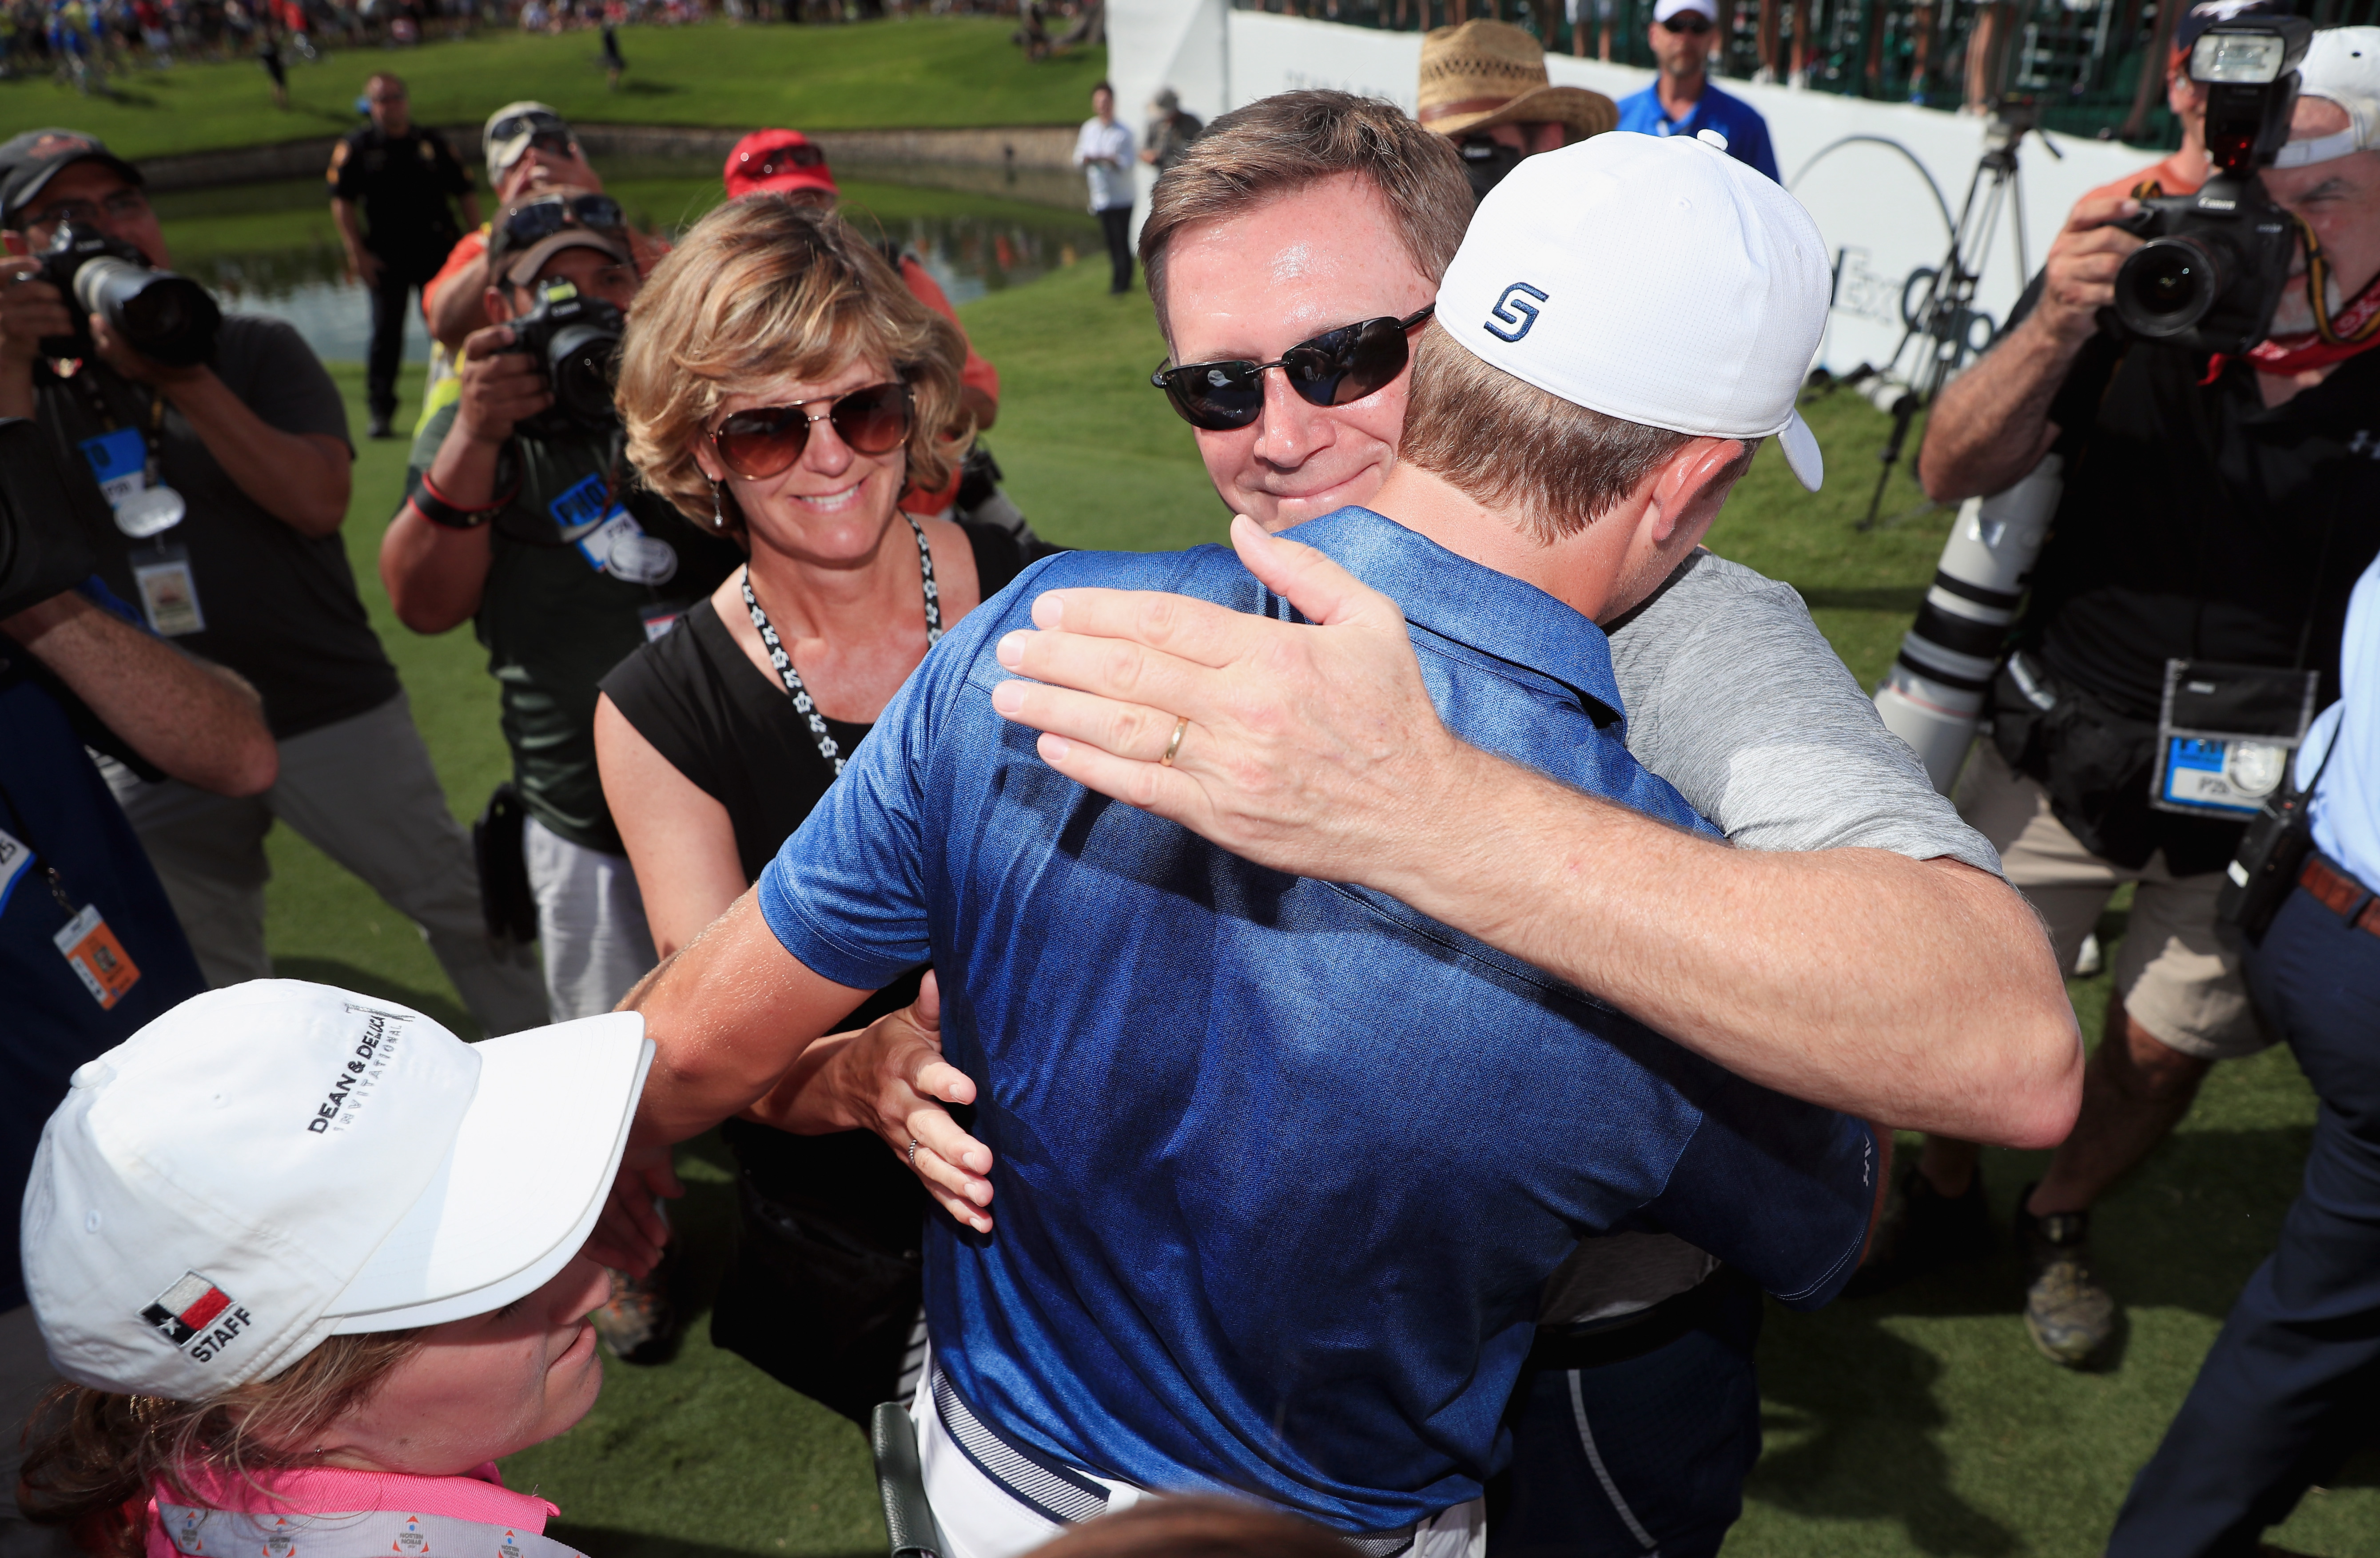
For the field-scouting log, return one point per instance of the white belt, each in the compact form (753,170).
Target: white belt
(991,1501)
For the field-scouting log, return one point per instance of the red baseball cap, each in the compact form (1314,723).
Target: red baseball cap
(779,160)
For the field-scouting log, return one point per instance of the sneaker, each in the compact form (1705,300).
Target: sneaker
(1923,1229)
(638,1322)
(2067,1315)
(380,425)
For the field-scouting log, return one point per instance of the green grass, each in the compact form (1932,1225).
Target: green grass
(1919,1422)
(928,72)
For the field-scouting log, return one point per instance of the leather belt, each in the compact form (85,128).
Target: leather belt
(2342,894)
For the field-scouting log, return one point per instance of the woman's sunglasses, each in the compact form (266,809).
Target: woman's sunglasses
(549,214)
(759,443)
(1333,369)
(1688,21)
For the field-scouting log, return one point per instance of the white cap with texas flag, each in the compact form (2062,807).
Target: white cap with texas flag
(277,1163)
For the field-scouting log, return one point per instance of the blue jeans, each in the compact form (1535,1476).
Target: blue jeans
(1641,1454)
(2290,1387)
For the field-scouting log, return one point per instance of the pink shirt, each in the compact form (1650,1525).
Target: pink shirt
(479,1495)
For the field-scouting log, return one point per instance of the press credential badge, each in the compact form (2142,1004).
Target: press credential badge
(144,506)
(169,596)
(99,959)
(610,539)
(15,855)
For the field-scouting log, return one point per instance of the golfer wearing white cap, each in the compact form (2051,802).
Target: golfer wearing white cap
(1259,241)
(285,1235)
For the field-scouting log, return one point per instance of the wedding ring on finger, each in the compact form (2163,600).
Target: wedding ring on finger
(913,1145)
(1175,745)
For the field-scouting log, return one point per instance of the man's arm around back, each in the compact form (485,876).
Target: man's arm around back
(1921,993)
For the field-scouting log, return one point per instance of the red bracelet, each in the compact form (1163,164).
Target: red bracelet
(445,502)
(435,507)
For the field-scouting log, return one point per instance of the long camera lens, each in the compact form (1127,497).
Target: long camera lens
(163,316)
(2167,287)
(581,360)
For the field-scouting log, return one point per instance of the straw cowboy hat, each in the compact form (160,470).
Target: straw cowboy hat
(1487,73)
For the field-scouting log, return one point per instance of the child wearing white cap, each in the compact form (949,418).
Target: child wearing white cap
(312,1265)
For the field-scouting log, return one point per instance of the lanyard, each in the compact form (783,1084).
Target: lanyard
(803,702)
(80,378)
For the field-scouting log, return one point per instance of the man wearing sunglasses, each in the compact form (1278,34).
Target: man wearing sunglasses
(1732,696)
(250,451)
(530,150)
(1681,100)
(1483,85)
(535,528)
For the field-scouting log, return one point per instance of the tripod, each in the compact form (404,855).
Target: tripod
(1941,318)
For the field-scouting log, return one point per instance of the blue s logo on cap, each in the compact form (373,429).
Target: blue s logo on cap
(1513,311)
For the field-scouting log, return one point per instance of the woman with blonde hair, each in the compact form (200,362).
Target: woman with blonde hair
(782,386)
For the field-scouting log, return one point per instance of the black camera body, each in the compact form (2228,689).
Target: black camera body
(165,318)
(575,341)
(2216,261)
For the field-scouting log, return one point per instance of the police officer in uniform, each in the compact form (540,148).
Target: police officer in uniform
(403,176)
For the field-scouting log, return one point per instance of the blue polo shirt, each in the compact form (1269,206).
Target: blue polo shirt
(1747,131)
(1282,1163)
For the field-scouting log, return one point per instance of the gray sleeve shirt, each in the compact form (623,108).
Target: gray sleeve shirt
(1735,697)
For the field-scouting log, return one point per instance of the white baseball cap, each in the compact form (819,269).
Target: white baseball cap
(2342,64)
(270,1164)
(1655,279)
(1668,8)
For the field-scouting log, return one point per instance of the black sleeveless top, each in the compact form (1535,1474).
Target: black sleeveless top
(729,727)
(827,1270)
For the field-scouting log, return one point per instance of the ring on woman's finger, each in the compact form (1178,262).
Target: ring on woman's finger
(1175,745)
(913,1145)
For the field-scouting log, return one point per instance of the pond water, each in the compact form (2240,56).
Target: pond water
(270,249)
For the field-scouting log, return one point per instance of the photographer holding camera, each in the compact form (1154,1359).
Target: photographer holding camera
(523,516)
(208,459)
(2212,394)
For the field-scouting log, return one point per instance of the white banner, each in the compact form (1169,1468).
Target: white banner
(1884,181)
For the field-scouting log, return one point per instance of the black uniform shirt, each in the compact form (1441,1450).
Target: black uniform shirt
(404,183)
(2199,523)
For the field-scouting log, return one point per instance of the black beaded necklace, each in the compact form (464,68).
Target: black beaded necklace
(804,704)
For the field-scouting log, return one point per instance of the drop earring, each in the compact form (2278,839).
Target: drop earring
(718,509)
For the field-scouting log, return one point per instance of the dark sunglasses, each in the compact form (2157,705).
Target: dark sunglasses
(1688,21)
(541,124)
(1333,369)
(549,214)
(786,159)
(759,443)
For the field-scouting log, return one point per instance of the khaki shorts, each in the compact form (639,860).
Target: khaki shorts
(2176,979)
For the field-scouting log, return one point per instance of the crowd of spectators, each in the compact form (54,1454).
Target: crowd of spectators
(82,42)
